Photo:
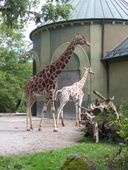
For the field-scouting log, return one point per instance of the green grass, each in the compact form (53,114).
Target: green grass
(53,160)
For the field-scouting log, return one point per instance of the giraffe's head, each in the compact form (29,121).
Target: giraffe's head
(80,39)
(89,69)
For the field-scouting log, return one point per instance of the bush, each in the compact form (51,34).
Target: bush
(123,124)
(119,161)
(13,76)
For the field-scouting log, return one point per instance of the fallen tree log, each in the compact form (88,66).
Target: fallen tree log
(101,119)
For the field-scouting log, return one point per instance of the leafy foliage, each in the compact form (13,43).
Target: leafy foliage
(52,11)
(13,76)
(13,11)
(119,160)
(10,38)
(13,72)
(14,40)
(123,123)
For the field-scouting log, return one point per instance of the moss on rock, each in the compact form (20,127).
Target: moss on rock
(77,162)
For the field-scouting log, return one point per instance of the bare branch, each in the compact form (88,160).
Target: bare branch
(99,95)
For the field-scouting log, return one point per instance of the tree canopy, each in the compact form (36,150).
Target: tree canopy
(61,9)
(14,13)
(12,79)
(13,72)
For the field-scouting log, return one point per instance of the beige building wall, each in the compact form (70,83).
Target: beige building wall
(99,80)
(45,48)
(66,34)
(118,81)
(114,34)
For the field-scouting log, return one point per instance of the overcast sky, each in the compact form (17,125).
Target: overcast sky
(31,25)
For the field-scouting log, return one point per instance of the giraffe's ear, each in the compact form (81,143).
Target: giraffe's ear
(77,34)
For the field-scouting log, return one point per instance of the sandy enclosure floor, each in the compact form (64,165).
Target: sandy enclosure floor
(14,139)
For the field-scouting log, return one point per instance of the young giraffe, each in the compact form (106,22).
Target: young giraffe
(44,83)
(73,93)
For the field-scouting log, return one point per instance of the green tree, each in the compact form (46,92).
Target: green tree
(123,124)
(13,76)
(54,11)
(13,72)
(120,158)
(15,13)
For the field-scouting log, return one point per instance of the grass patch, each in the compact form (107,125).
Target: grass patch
(53,160)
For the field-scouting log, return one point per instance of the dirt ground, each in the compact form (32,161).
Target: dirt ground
(15,140)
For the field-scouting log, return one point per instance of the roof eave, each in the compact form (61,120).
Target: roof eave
(76,21)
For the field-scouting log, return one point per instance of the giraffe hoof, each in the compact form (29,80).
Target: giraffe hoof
(39,129)
(28,129)
(55,130)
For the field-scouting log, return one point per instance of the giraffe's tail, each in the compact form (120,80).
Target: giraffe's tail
(58,91)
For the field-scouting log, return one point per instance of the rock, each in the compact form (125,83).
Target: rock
(78,162)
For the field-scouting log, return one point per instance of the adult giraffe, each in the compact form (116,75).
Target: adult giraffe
(44,83)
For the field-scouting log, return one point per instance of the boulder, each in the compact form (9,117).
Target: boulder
(78,162)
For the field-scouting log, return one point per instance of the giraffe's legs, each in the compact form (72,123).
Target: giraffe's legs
(29,102)
(61,116)
(53,114)
(43,111)
(51,99)
(29,118)
(63,101)
(79,109)
(60,113)
(77,115)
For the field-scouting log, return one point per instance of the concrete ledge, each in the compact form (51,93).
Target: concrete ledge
(12,114)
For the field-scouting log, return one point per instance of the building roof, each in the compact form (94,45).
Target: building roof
(114,9)
(97,9)
(105,10)
(120,51)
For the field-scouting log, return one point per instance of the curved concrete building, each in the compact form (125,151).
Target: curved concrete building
(105,24)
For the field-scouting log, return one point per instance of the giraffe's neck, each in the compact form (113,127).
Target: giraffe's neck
(64,59)
(83,80)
